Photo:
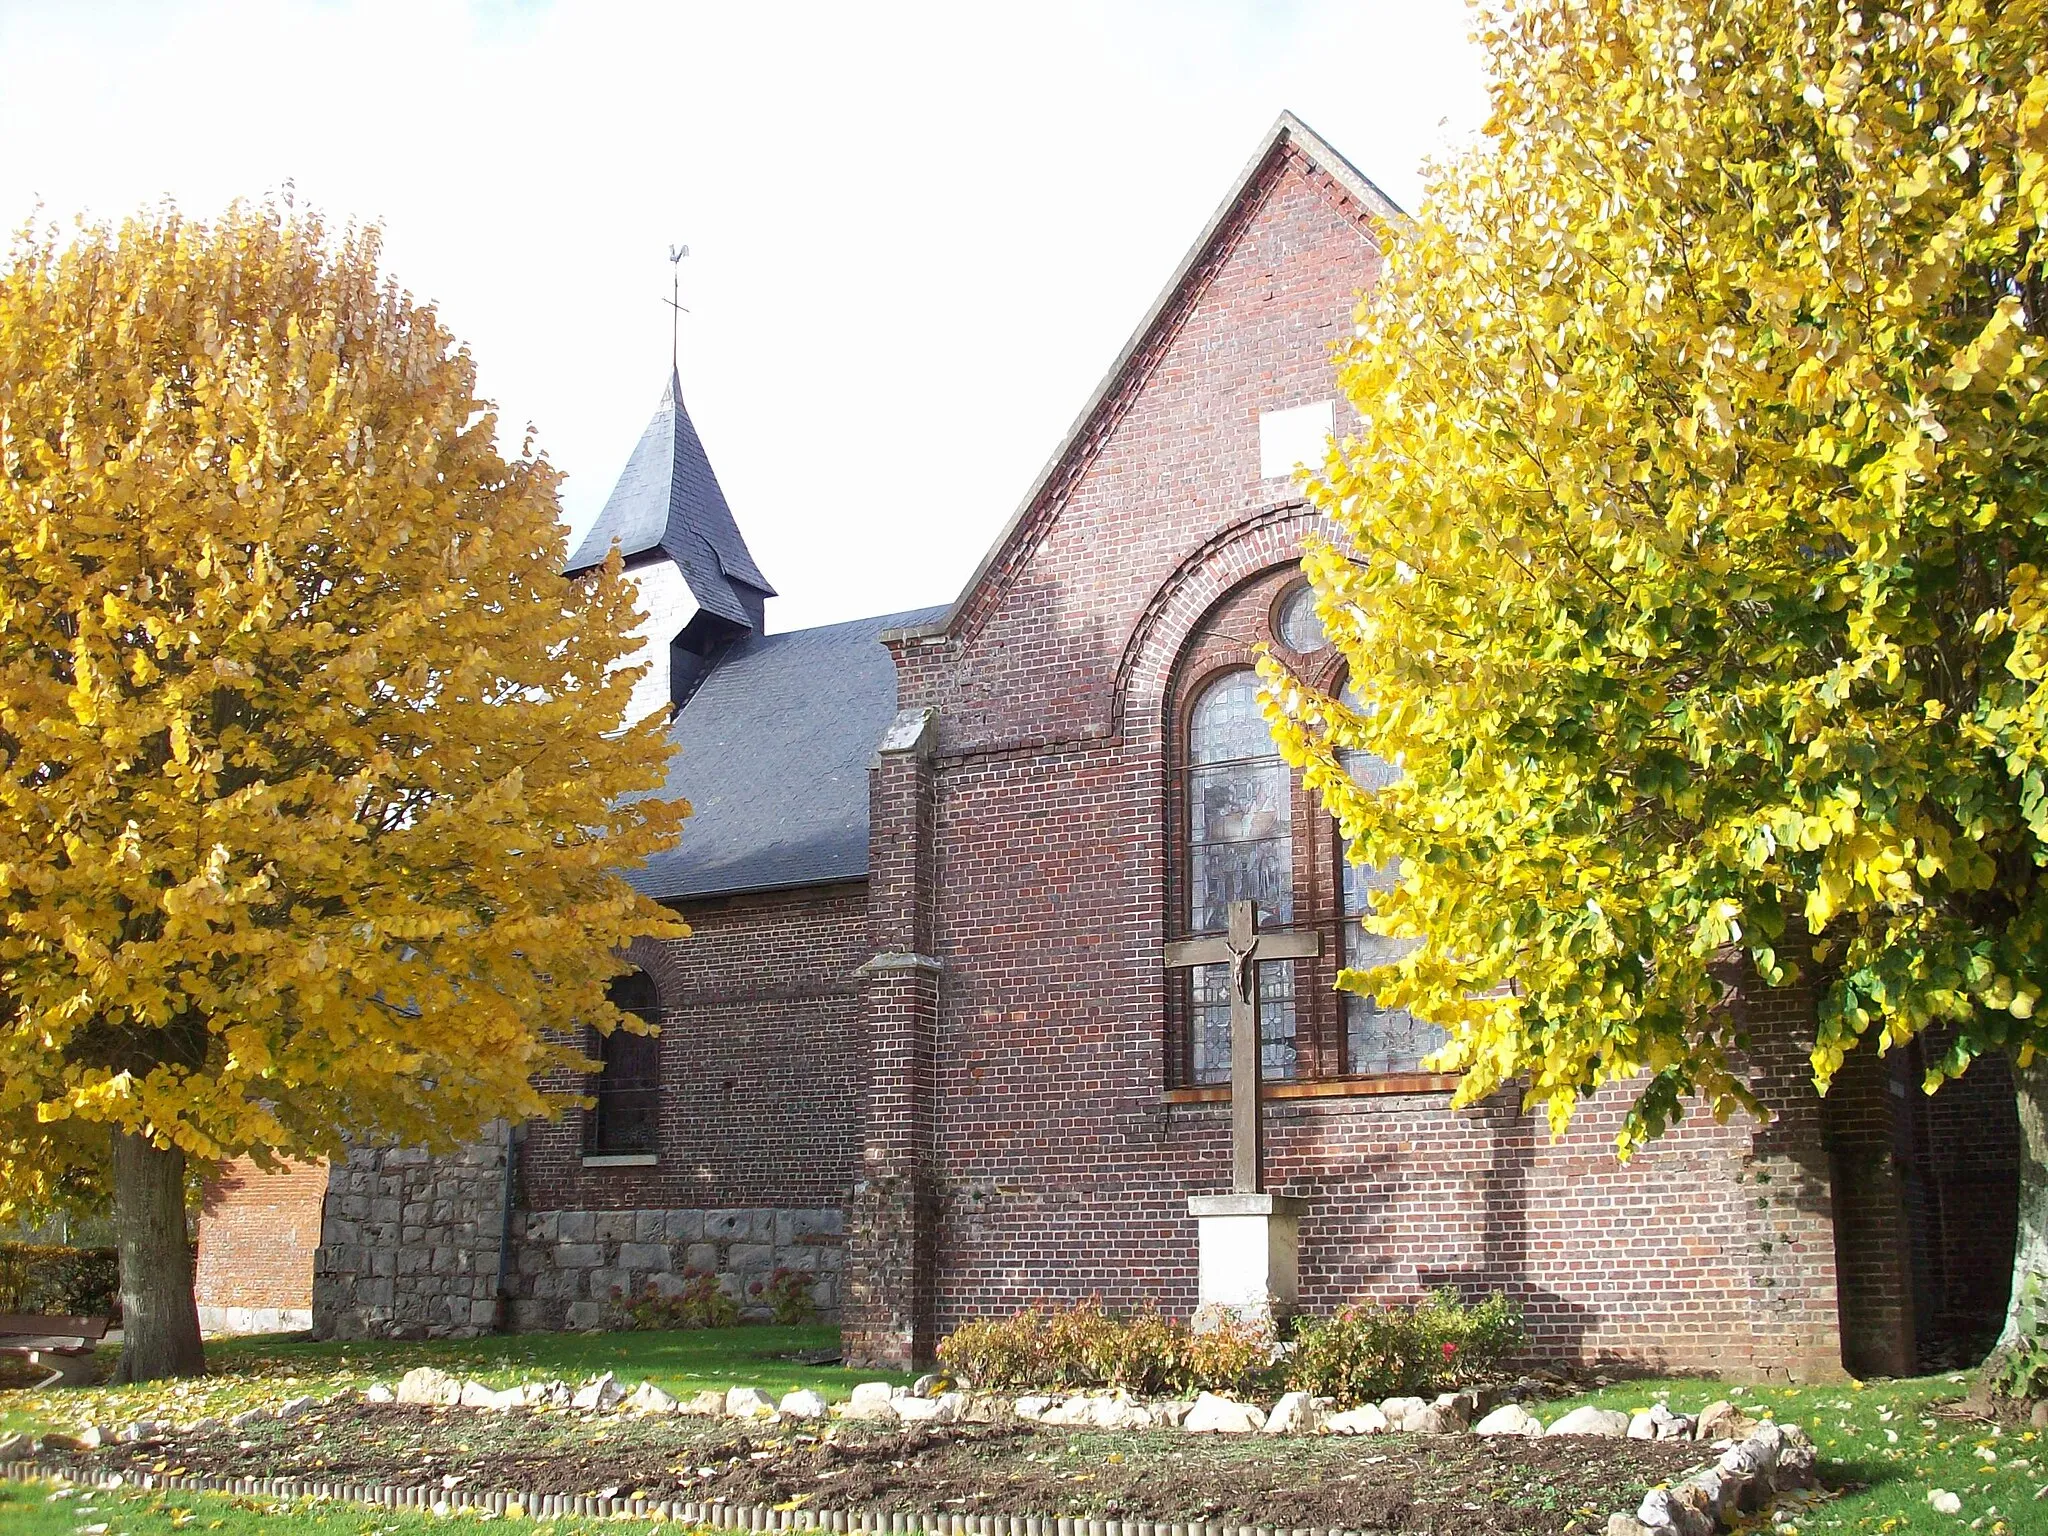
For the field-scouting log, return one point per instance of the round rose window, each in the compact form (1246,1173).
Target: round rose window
(1300,630)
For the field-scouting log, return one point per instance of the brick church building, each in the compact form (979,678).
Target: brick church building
(921,1047)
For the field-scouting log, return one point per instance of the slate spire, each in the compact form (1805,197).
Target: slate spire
(668,499)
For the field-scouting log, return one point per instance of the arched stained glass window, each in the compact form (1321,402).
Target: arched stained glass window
(1241,826)
(625,1117)
(1376,1039)
(1240,848)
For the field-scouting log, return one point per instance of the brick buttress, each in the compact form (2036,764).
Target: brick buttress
(892,1239)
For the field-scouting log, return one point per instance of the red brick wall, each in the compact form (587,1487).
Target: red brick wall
(1055,1163)
(257,1233)
(890,1300)
(763,1051)
(1066,1172)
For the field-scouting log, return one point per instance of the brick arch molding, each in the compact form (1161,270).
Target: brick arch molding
(664,967)
(1267,538)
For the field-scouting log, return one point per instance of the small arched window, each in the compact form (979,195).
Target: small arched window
(1297,623)
(625,1118)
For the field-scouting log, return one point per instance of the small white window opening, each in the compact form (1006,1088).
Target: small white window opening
(1296,436)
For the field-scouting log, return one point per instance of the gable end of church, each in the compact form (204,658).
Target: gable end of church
(1289,144)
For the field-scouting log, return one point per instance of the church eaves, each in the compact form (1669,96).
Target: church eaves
(668,500)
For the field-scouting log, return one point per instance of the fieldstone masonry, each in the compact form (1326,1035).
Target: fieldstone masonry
(412,1243)
(572,1268)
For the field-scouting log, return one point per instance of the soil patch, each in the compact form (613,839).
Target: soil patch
(1408,1483)
(17,1373)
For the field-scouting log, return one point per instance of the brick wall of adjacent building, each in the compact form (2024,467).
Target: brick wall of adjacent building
(763,1049)
(257,1235)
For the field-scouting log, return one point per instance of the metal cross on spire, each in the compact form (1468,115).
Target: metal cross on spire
(676,253)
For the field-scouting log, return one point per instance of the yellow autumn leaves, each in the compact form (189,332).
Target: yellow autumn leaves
(313,795)
(1688,552)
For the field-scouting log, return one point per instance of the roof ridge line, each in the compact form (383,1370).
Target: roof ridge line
(870,618)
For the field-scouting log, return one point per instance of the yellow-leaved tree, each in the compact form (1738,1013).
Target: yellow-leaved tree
(1691,556)
(314,790)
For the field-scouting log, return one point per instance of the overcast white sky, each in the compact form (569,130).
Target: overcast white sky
(919,234)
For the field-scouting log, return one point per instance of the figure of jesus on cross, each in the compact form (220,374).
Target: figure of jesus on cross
(1243,948)
(1250,1240)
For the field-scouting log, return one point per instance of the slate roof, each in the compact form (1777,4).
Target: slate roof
(772,753)
(668,499)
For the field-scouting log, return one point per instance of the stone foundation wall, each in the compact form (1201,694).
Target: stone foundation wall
(217,1321)
(574,1268)
(410,1242)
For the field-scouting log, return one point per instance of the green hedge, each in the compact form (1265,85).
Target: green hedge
(80,1282)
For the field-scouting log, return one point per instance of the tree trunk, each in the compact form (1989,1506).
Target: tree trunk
(159,1314)
(2030,1248)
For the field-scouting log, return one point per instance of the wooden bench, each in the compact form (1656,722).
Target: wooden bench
(62,1345)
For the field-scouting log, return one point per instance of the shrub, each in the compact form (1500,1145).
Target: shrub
(1144,1353)
(1229,1355)
(999,1353)
(1084,1346)
(36,1277)
(699,1304)
(1369,1351)
(788,1295)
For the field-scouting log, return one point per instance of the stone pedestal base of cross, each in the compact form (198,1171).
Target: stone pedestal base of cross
(1250,1242)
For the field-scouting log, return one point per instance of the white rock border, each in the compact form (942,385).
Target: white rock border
(1772,1459)
(1768,1459)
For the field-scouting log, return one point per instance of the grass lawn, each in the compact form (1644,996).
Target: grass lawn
(265,1370)
(1888,1445)
(42,1509)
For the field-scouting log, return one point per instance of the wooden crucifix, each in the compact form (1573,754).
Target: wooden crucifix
(1243,948)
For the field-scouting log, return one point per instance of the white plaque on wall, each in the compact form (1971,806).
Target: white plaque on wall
(1298,435)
